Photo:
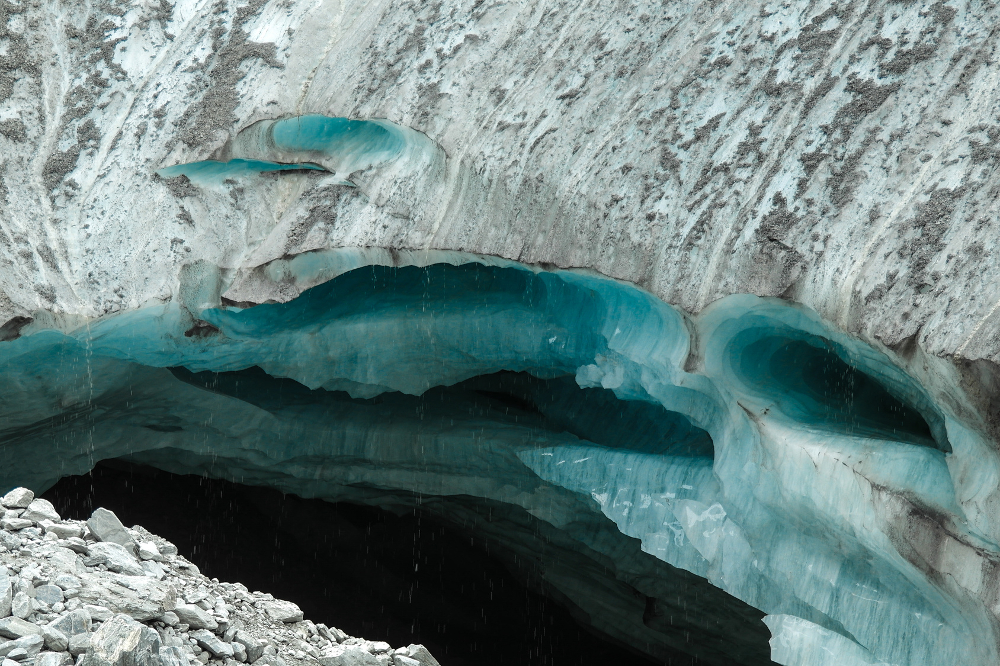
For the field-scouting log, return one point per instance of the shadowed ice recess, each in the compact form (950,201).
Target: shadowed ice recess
(748,458)
(339,145)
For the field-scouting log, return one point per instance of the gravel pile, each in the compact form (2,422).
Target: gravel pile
(96,593)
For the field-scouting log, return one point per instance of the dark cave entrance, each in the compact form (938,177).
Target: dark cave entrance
(400,578)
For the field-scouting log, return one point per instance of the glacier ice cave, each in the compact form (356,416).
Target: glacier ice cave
(741,446)
(538,332)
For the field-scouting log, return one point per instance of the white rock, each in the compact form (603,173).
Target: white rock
(149,551)
(40,509)
(282,611)
(18,498)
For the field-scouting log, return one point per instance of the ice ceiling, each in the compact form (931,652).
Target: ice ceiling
(800,472)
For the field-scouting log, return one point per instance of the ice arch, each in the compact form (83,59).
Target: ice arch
(567,395)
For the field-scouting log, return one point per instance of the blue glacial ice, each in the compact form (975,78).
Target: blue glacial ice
(341,146)
(753,445)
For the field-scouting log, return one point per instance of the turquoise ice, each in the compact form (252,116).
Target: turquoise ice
(753,444)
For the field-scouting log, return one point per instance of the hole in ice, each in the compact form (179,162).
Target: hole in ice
(811,382)
(216,171)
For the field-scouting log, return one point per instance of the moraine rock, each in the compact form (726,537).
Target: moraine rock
(18,498)
(55,640)
(347,655)
(195,617)
(212,643)
(79,644)
(40,509)
(31,645)
(15,627)
(6,593)
(139,597)
(121,641)
(115,557)
(73,623)
(66,588)
(105,526)
(283,611)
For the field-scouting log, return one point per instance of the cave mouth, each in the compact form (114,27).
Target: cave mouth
(403,576)
(812,383)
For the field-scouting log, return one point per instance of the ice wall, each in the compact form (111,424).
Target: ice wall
(753,445)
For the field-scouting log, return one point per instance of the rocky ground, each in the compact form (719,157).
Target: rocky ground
(99,594)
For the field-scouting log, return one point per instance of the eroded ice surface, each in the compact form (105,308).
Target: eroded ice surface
(793,467)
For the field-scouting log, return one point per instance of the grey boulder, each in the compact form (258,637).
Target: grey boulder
(121,641)
(420,654)
(115,557)
(39,510)
(54,639)
(19,498)
(139,597)
(253,647)
(282,611)
(215,645)
(15,627)
(79,644)
(50,594)
(73,623)
(195,617)
(172,656)
(31,645)
(53,659)
(6,594)
(346,655)
(105,526)
(20,606)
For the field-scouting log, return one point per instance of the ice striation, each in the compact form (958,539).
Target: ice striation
(833,486)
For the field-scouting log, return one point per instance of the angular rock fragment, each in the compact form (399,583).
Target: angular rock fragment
(346,655)
(195,617)
(105,526)
(79,644)
(139,597)
(53,659)
(67,582)
(73,623)
(215,645)
(6,593)
(173,656)
(40,509)
(54,639)
(65,530)
(252,646)
(9,541)
(14,524)
(15,627)
(421,655)
(149,551)
(115,557)
(282,611)
(19,498)
(121,641)
(49,594)
(30,645)
(21,605)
